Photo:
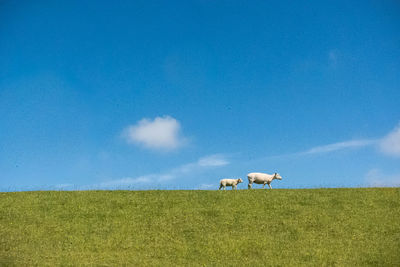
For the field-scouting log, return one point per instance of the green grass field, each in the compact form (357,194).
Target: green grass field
(309,227)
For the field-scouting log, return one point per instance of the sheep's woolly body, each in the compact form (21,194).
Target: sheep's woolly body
(229,182)
(262,178)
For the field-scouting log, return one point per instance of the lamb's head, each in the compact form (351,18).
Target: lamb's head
(239,181)
(277,176)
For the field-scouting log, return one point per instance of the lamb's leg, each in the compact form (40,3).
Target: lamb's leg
(263,185)
(269,186)
(250,185)
(220,186)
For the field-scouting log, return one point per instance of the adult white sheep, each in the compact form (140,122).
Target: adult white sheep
(229,182)
(262,178)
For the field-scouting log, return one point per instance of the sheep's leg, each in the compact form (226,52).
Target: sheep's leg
(269,186)
(250,186)
(220,186)
(234,187)
(263,185)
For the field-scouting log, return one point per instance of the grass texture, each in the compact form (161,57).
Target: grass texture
(298,227)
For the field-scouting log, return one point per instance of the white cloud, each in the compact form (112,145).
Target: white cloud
(181,171)
(390,144)
(213,160)
(352,144)
(376,178)
(160,133)
(340,146)
(165,177)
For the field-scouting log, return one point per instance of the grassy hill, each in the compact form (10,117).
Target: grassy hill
(309,227)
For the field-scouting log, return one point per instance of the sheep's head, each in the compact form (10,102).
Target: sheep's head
(277,176)
(240,181)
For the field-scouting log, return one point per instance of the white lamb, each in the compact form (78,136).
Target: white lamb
(229,182)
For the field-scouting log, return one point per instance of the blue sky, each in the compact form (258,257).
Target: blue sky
(179,94)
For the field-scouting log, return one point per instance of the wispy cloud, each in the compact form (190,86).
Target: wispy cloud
(340,146)
(377,178)
(161,133)
(390,144)
(325,149)
(182,171)
(334,147)
(213,160)
(387,145)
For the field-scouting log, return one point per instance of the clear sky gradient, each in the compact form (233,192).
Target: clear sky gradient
(179,94)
